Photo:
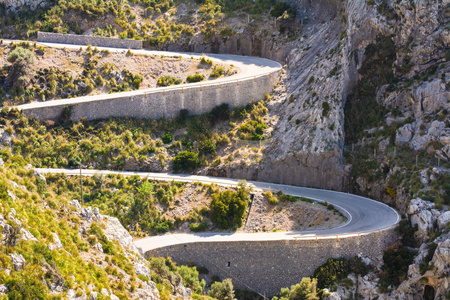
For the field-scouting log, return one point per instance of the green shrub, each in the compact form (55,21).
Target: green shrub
(332,271)
(197,77)
(227,208)
(167,138)
(186,161)
(226,31)
(168,80)
(222,290)
(191,279)
(252,130)
(271,198)
(205,61)
(280,8)
(395,268)
(217,72)
(198,227)
(21,60)
(325,109)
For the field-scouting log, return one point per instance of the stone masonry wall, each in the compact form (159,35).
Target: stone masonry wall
(266,267)
(74,39)
(160,102)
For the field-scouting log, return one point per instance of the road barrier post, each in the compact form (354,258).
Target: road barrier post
(337,238)
(316,239)
(379,232)
(295,240)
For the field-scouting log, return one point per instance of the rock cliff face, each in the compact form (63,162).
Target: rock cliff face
(14,5)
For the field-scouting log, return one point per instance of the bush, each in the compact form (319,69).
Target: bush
(280,8)
(227,208)
(331,271)
(167,138)
(186,161)
(325,108)
(198,227)
(21,60)
(191,280)
(222,290)
(395,267)
(168,80)
(221,112)
(195,78)
(217,72)
(226,31)
(206,61)
(271,198)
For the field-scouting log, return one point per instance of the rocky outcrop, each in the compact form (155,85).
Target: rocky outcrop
(18,261)
(16,5)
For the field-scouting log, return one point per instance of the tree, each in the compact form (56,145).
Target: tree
(305,290)
(21,59)
(227,208)
(222,290)
(186,161)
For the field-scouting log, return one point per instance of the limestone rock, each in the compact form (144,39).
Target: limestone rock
(40,176)
(18,261)
(367,286)
(11,195)
(404,134)
(93,296)
(75,204)
(27,235)
(72,296)
(104,292)
(3,289)
(115,231)
(56,242)
(114,297)
(91,215)
(2,163)
(142,269)
(420,213)
(15,5)
(443,220)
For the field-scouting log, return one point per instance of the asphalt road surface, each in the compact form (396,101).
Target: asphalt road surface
(363,215)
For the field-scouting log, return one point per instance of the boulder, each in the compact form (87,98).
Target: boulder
(3,289)
(11,195)
(443,220)
(27,235)
(75,204)
(18,261)
(39,175)
(404,134)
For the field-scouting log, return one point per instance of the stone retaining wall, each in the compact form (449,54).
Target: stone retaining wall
(159,102)
(74,39)
(266,267)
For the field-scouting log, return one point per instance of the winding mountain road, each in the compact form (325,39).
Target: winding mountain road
(248,66)
(364,215)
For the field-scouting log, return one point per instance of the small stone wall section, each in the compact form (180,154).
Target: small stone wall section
(74,39)
(268,266)
(161,102)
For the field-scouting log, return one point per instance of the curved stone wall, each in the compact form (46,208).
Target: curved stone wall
(159,102)
(268,266)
